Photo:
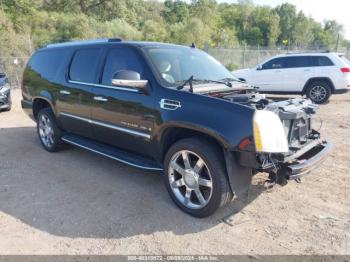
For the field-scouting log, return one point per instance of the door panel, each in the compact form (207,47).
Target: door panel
(268,78)
(122,116)
(75,96)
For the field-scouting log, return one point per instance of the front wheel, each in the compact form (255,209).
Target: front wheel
(195,177)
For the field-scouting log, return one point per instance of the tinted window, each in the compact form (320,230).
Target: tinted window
(84,65)
(275,63)
(121,59)
(47,63)
(321,61)
(299,61)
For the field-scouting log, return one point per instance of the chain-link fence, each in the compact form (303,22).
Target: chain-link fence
(232,58)
(236,58)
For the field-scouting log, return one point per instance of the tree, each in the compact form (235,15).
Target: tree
(175,11)
(287,14)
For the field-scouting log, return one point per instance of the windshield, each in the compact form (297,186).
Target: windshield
(174,65)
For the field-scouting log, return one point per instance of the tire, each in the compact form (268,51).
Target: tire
(210,181)
(319,92)
(48,131)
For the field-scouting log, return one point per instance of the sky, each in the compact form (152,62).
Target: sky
(320,10)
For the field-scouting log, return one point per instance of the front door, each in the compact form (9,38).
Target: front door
(270,76)
(123,116)
(75,95)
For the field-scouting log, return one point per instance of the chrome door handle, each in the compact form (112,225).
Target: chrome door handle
(100,98)
(64,92)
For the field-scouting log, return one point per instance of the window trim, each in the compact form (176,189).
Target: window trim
(104,86)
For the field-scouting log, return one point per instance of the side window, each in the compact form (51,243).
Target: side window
(321,61)
(299,61)
(84,65)
(47,63)
(119,59)
(276,63)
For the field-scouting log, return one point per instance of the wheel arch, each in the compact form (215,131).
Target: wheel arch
(172,134)
(313,79)
(40,102)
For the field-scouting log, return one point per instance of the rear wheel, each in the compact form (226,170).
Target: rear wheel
(195,177)
(48,131)
(319,92)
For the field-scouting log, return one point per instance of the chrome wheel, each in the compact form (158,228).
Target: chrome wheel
(46,132)
(190,179)
(318,93)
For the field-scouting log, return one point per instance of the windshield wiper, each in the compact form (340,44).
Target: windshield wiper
(229,79)
(192,79)
(239,81)
(188,81)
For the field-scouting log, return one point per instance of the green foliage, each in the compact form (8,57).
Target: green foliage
(232,66)
(28,24)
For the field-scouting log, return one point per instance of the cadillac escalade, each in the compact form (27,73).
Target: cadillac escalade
(169,108)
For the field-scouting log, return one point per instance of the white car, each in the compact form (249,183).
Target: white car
(316,75)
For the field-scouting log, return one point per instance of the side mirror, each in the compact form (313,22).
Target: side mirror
(259,67)
(129,78)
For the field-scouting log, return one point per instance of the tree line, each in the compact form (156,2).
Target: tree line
(28,24)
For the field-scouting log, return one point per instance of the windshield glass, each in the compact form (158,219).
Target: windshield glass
(177,64)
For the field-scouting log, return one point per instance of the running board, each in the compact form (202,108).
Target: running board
(113,153)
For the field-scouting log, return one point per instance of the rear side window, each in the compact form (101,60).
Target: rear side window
(84,65)
(275,63)
(321,61)
(342,57)
(47,63)
(121,59)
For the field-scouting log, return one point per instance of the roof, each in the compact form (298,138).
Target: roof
(106,41)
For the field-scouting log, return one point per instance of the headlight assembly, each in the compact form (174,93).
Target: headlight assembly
(269,135)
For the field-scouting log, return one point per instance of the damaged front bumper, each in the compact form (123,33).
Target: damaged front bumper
(284,167)
(302,162)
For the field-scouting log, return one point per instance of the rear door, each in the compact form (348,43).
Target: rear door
(123,116)
(75,95)
(298,70)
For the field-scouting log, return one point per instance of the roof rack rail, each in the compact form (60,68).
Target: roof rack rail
(306,52)
(115,40)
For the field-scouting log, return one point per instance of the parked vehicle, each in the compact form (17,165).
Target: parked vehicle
(169,108)
(316,75)
(5,93)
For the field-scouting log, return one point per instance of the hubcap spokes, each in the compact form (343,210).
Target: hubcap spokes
(318,93)
(46,131)
(190,179)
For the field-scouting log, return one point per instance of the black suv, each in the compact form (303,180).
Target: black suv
(169,108)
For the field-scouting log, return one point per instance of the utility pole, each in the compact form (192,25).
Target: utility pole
(336,47)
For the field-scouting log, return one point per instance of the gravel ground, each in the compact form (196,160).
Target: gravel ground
(76,202)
